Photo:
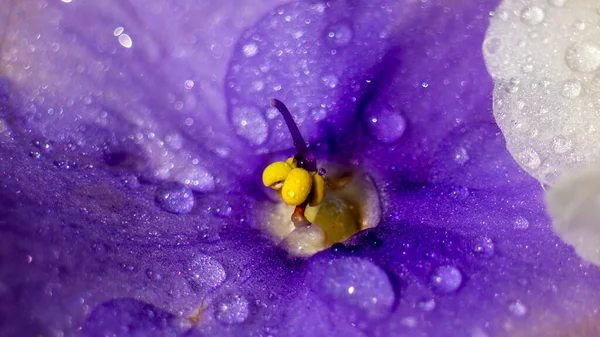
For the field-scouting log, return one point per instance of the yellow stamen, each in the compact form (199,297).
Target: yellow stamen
(296,187)
(275,174)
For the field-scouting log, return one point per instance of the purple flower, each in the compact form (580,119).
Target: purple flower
(132,140)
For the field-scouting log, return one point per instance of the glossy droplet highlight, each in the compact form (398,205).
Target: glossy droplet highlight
(339,34)
(223,210)
(532,15)
(583,57)
(206,271)
(356,286)
(175,197)
(483,247)
(446,279)
(250,124)
(233,309)
(384,123)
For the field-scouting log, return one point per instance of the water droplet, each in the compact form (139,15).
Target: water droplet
(223,210)
(483,247)
(130,181)
(205,271)
(461,156)
(154,276)
(532,15)
(250,49)
(125,41)
(427,304)
(384,123)
(513,85)
(234,309)
(330,81)
(65,164)
(175,197)
(517,308)
(339,34)
(520,223)
(529,158)
(561,144)
(354,285)
(583,57)
(571,89)
(492,45)
(446,279)
(250,124)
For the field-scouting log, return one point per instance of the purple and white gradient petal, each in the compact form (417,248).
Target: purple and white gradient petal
(133,135)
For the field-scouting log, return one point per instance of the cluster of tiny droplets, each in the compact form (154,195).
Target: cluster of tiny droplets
(544,58)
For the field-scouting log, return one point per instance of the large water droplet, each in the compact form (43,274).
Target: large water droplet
(361,289)
(206,271)
(175,197)
(583,57)
(250,124)
(234,309)
(532,15)
(384,123)
(483,247)
(339,34)
(517,308)
(446,279)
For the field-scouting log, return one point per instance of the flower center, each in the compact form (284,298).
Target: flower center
(350,206)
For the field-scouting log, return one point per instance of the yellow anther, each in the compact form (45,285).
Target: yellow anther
(318,190)
(275,174)
(292,162)
(296,187)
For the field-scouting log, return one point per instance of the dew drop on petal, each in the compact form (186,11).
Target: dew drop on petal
(250,124)
(446,279)
(492,45)
(339,34)
(384,124)
(583,57)
(483,247)
(427,304)
(532,15)
(233,309)
(175,197)
(520,223)
(517,308)
(571,89)
(250,49)
(357,285)
(561,144)
(206,271)
(223,209)
(529,158)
